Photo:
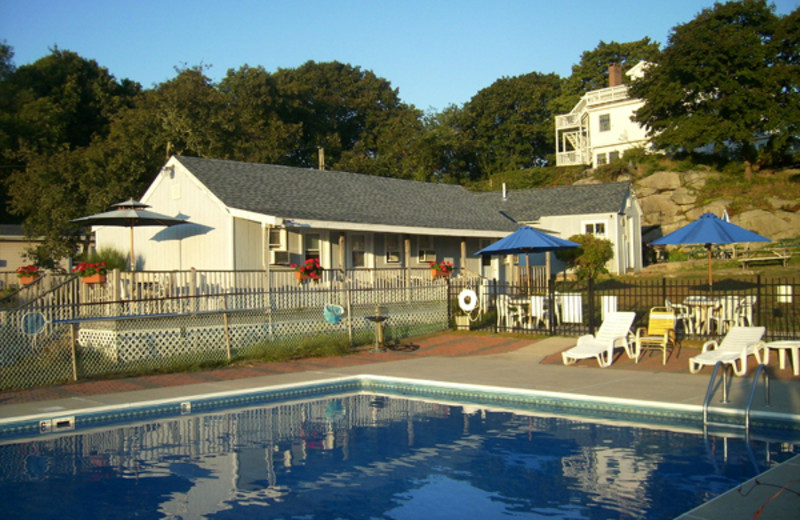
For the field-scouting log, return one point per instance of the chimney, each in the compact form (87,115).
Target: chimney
(614,75)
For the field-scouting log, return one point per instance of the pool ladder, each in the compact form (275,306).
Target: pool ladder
(762,369)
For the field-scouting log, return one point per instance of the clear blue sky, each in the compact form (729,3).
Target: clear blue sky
(435,52)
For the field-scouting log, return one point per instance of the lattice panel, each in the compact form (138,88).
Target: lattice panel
(148,340)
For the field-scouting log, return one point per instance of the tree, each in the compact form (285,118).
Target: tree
(509,124)
(590,259)
(725,80)
(254,130)
(341,108)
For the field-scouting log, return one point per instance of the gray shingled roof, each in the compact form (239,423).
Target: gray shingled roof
(299,193)
(530,205)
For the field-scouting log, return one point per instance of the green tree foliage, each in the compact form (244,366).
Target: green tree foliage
(590,259)
(726,78)
(342,109)
(508,126)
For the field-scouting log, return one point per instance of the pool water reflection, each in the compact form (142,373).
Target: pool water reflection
(366,456)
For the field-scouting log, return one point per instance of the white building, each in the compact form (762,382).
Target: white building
(599,128)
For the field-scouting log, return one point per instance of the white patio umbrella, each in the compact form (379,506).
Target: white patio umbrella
(130,214)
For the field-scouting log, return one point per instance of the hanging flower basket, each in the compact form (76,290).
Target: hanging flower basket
(91,273)
(310,270)
(25,280)
(27,274)
(94,278)
(442,269)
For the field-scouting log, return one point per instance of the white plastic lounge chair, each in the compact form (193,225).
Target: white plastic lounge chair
(737,344)
(613,333)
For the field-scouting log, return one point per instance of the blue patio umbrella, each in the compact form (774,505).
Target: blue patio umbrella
(709,229)
(524,241)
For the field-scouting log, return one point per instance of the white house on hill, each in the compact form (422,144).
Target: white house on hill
(599,128)
(246,216)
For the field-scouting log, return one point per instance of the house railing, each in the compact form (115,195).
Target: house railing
(64,298)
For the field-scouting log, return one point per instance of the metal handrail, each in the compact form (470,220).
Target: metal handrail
(710,389)
(761,368)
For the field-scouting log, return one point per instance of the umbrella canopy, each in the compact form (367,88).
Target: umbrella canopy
(130,214)
(526,240)
(709,229)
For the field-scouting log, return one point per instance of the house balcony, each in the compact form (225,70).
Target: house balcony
(573,158)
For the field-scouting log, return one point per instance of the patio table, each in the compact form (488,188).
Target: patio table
(702,308)
(782,347)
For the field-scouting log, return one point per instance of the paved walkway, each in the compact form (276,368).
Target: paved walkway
(465,359)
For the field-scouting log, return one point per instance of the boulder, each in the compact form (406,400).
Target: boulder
(773,225)
(660,182)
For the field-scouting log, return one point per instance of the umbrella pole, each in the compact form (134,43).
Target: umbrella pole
(710,282)
(133,265)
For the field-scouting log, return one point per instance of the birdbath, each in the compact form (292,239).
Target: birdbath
(378,320)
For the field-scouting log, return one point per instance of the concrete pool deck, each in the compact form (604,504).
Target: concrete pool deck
(463,359)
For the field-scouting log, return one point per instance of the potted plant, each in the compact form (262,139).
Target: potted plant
(441,269)
(91,273)
(27,274)
(309,270)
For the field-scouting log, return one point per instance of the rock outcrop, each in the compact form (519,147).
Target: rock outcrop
(669,201)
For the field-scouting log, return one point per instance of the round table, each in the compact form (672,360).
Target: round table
(783,346)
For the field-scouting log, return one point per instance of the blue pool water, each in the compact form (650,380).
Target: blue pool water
(373,457)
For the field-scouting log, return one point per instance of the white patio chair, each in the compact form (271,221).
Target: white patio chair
(744,314)
(613,333)
(683,315)
(538,313)
(507,314)
(724,315)
(737,344)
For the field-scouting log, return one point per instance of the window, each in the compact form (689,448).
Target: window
(277,239)
(595,228)
(392,249)
(601,159)
(425,251)
(311,245)
(605,122)
(613,156)
(358,250)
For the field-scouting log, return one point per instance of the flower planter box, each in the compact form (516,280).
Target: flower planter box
(94,278)
(302,276)
(435,273)
(25,280)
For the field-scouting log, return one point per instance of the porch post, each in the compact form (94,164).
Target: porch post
(463,253)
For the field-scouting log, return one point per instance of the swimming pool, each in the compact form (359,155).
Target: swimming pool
(360,456)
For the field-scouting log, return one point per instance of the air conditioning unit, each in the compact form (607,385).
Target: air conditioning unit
(279,257)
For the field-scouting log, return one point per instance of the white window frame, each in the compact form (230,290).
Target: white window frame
(364,250)
(394,249)
(306,239)
(613,156)
(281,244)
(426,252)
(594,224)
(604,123)
(601,159)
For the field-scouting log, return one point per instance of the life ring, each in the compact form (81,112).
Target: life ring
(467,300)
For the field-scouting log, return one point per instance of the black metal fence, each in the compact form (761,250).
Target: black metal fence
(578,307)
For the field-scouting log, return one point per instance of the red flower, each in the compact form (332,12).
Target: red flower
(27,270)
